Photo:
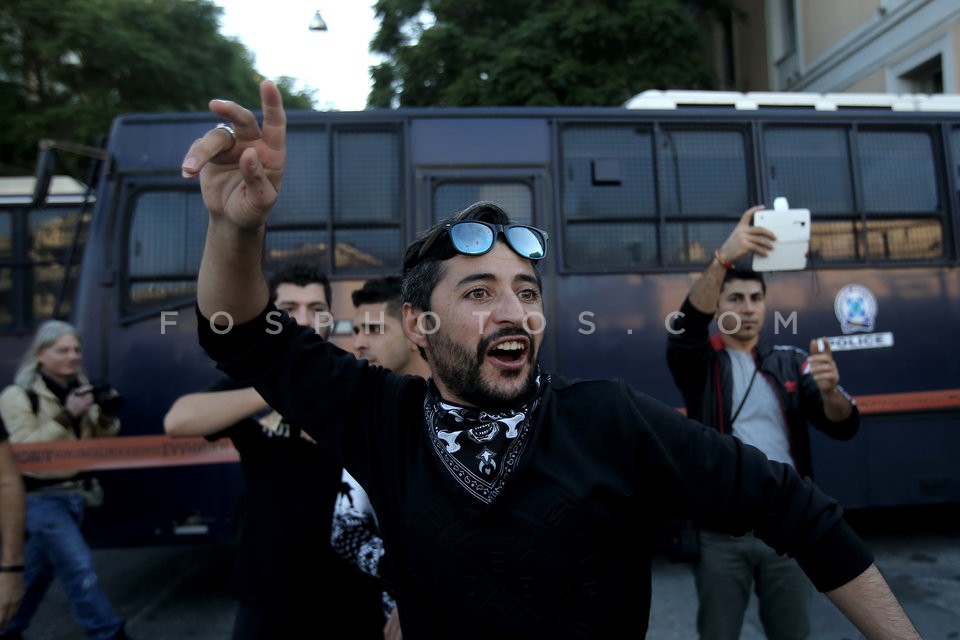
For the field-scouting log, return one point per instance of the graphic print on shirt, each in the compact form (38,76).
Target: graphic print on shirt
(274,426)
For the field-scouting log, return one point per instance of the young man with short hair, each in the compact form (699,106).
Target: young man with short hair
(764,395)
(378,335)
(287,578)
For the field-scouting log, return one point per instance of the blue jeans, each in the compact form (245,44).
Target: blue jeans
(728,568)
(56,549)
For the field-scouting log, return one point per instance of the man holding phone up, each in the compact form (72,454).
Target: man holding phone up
(765,395)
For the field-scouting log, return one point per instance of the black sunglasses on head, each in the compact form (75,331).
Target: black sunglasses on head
(475,238)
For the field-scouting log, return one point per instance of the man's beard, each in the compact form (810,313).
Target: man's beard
(459,370)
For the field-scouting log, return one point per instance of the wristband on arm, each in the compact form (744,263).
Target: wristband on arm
(723,263)
(12,568)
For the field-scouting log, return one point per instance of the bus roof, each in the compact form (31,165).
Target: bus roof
(19,190)
(754,100)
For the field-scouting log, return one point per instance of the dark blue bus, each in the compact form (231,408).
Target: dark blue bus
(635,200)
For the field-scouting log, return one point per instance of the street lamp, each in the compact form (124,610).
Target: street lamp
(318,24)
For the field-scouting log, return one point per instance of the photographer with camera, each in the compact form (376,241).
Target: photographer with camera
(52,400)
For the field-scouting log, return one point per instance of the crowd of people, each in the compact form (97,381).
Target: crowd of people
(436,481)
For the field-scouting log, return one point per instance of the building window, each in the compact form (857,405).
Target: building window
(926,77)
(783,43)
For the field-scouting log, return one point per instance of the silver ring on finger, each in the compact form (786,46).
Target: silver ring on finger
(223,126)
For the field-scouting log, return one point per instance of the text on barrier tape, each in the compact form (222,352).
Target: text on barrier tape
(122,452)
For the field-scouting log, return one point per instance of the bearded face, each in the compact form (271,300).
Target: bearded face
(459,369)
(484,330)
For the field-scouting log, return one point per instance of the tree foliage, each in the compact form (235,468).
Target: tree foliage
(68,67)
(537,52)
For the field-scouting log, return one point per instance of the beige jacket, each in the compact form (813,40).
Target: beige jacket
(50,423)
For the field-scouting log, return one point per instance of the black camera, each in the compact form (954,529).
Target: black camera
(103,395)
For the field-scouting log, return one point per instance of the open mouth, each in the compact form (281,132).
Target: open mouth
(509,352)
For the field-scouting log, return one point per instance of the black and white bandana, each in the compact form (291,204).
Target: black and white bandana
(480,449)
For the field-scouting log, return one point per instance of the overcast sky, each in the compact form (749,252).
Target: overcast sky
(335,62)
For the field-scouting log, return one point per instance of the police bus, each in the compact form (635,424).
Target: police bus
(635,200)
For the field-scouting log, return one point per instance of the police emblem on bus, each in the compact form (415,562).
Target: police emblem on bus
(856,308)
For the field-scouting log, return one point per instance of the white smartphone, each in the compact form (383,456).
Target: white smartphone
(792,228)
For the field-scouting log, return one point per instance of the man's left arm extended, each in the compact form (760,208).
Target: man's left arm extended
(868,603)
(735,488)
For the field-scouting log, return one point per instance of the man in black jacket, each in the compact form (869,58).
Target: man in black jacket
(288,580)
(511,502)
(765,396)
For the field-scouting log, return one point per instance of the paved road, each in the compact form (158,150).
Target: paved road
(177,593)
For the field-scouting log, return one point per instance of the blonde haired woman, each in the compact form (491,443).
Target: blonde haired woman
(52,400)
